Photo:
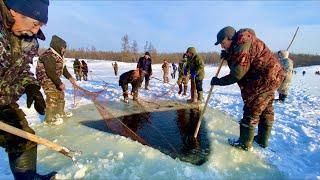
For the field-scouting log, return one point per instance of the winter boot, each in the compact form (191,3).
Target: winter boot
(245,140)
(283,97)
(146,84)
(24,166)
(125,97)
(185,90)
(135,96)
(200,96)
(193,93)
(60,110)
(264,131)
(180,89)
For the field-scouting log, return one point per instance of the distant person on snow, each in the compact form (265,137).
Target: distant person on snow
(258,73)
(135,78)
(184,75)
(77,69)
(84,70)
(174,68)
(166,71)
(145,64)
(303,72)
(50,67)
(115,68)
(287,65)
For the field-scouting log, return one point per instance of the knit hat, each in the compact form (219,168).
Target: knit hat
(192,50)
(147,53)
(35,9)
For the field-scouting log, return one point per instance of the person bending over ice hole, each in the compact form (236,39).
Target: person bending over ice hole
(259,74)
(135,77)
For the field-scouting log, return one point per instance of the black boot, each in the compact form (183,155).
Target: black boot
(264,131)
(185,90)
(245,140)
(180,89)
(24,166)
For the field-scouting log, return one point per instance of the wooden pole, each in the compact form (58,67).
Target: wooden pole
(294,36)
(206,104)
(23,134)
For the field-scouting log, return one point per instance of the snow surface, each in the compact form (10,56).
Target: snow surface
(294,144)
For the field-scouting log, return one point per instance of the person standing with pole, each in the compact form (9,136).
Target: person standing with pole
(259,74)
(20,23)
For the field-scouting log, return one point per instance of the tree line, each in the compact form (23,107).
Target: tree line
(130,53)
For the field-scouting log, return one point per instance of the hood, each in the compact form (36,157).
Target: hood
(57,43)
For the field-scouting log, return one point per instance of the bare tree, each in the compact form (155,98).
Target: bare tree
(134,50)
(146,46)
(125,47)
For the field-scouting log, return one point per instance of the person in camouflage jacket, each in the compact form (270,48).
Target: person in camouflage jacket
(77,68)
(115,68)
(166,71)
(135,78)
(195,65)
(85,70)
(19,30)
(183,75)
(287,64)
(50,67)
(258,73)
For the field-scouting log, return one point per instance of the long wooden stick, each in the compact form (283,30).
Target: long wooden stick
(23,134)
(207,101)
(294,36)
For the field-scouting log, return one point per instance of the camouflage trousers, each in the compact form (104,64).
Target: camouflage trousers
(12,115)
(54,100)
(166,76)
(259,110)
(183,79)
(78,74)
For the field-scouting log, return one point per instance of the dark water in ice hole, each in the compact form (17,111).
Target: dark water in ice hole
(170,132)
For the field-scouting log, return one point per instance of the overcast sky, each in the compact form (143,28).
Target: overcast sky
(172,26)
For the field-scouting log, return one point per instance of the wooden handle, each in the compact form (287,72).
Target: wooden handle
(23,134)
(206,104)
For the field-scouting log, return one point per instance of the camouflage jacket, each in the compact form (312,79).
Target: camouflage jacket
(16,54)
(253,66)
(196,65)
(183,68)
(77,66)
(51,67)
(287,65)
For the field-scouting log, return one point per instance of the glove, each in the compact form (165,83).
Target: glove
(34,94)
(185,71)
(193,75)
(224,54)
(215,81)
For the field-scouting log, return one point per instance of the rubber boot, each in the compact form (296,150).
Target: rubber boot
(50,115)
(264,132)
(245,140)
(200,96)
(180,89)
(185,90)
(193,93)
(135,96)
(146,84)
(125,97)
(24,166)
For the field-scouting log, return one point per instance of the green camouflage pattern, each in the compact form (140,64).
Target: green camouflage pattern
(77,68)
(54,99)
(196,64)
(182,67)
(16,55)
(13,116)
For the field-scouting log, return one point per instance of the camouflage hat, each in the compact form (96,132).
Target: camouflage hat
(226,32)
(192,50)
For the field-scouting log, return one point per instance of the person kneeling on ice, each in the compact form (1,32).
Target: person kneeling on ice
(258,73)
(135,77)
(51,66)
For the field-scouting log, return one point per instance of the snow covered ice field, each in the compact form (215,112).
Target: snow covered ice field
(294,144)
